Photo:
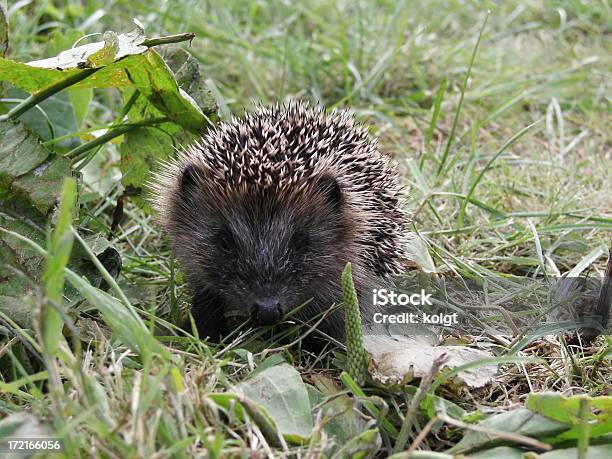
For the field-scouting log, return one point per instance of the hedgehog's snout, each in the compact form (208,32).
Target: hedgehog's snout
(266,311)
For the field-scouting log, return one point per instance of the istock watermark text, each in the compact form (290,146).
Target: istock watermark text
(384,297)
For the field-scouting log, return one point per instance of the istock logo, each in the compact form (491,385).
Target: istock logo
(384,297)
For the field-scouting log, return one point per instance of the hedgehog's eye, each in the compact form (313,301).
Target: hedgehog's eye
(300,241)
(224,239)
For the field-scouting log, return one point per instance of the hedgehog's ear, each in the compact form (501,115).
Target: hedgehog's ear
(330,188)
(190,178)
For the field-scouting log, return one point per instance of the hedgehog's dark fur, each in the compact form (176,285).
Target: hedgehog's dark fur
(266,210)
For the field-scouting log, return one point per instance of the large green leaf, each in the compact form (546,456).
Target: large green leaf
(37,76)
(281,391)
(32,79)
(42,185)
(188,74)
(144,147)
(20,151)
(342,421)
(121,61)
(521,421)
(53,117)
(567,410)
(149,74)
(27,169)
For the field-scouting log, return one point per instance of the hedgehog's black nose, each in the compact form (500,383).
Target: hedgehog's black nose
(266,311)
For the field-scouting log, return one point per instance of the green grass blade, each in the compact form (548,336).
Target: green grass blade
(436,111)
(58,253)
(484,170)
(451,136)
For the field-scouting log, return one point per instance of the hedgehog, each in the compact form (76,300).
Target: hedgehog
(264,212)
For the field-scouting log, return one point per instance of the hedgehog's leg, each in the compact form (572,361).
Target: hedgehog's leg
(207,311)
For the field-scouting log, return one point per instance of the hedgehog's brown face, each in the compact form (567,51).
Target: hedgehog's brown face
(264,253)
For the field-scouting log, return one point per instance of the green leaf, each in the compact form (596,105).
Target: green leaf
(594,452)
(567,410)
(18,308)
(80,98)
(281,391)
(144,147)
(520,421)
(20,151)
(151,76)
(19,263)
(500,452)
(27,169)
(364,445)
(341,420)
(133,65)
(53,117)
(58,253)
(146,72)
(188,74)
(42,184)
(22,425)
(32,79)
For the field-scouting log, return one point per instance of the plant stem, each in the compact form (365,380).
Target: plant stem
(111,134)
(38,97)
(169,39)
(474,184)
(413,408)
(451,136)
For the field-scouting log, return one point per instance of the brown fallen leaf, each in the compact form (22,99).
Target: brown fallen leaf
(397,359)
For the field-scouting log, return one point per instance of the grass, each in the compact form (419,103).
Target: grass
(505,154)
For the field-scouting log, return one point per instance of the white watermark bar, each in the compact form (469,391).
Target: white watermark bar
(500,306)
(31,444)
